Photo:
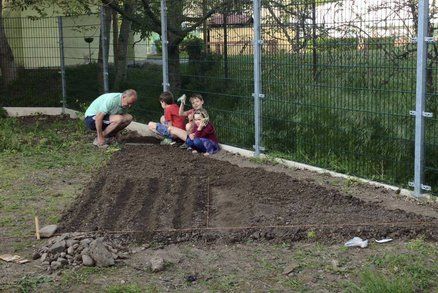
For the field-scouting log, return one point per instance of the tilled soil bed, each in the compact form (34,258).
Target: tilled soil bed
(168,194)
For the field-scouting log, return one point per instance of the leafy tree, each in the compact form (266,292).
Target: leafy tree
(184,17)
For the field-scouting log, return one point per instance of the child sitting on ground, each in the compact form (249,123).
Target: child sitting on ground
(171,118)
(197,103)
(203,139)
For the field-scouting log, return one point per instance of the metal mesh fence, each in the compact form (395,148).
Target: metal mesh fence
(81,49)
(84,62)
(216,61)
(338,78)
(143,68)
(431,123)
(35,49)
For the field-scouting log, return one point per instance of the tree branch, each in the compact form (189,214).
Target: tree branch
(210,13)
(121,11)
(155,21)
(278,21)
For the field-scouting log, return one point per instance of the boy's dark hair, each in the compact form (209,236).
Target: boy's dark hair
(196,96)
(167,98)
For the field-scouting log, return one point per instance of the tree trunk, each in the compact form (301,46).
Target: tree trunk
(205,29)
(314,43)
(7,64)
(175,17)
(225,52)
(115,21)
(174,63)
(107,24)
(121,57)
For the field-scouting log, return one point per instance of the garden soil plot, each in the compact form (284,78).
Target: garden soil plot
(171,195)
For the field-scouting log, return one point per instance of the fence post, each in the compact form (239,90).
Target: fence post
(104,49)
(423,14)
(257,77)
(62,59)
(164,43)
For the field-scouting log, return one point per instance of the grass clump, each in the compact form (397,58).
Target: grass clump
(410,270)
(372,282)
(125,288)
(31,283)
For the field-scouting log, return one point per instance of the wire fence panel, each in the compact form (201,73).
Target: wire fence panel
(35,69)
(431,123)
(134,57)
(144,74)
(81,49)
(84,62)
(339,79)
(215,60)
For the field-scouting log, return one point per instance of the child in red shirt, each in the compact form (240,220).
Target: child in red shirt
(170,118)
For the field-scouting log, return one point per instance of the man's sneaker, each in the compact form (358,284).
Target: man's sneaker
(96,143)
(184,146)
(167,141)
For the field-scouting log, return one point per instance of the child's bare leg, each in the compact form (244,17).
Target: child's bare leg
(177,132)
(153,127)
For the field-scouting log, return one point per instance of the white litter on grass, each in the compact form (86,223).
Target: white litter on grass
(356,242)
(384,240)
(14,258)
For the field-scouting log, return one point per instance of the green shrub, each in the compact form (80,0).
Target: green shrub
(3,113)
(158,46)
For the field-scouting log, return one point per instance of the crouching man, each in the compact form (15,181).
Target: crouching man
(106,115)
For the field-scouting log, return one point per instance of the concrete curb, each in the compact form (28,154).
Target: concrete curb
(28,111)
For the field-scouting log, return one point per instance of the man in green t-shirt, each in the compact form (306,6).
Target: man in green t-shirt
(106,114)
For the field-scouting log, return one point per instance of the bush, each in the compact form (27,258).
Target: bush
(3,113)
(340,44)
(158,46)
(194,47)
(346,44)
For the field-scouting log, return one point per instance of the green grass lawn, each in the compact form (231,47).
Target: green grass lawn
(43,167)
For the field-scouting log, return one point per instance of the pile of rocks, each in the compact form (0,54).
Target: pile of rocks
(76,249)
